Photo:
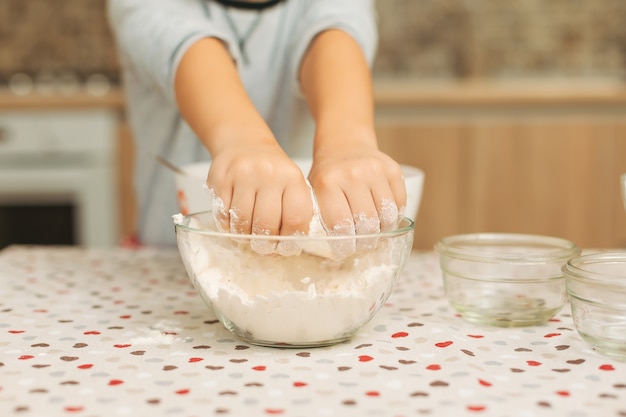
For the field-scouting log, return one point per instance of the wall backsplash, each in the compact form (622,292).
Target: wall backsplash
(418,38)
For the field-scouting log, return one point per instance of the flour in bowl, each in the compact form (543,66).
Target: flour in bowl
(297,300)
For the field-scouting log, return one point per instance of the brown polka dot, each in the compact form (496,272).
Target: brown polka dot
(576,361)
(619,386)
(611,396)
(69,358)
(253,384)
(406,362)
(66,321)
(562,370)
(21,409)
(69,383)
(153,401)
(169,367)
(439,383)
(38,391)
(303,354)
(211,321)
(348,402)
(419,394)
(40,365)
(222,411)
(146,312)
(80,345)
(363,345)
(402,348)
(467,352)
(562,347)
(202,347)
(214,368)
(343,368)
(516,370)
(523,350)
(138,352)
(224,393)
(40,345)
(415,324)
(242,347)
(544,404)
(115,327)
(238,360)
(389,368)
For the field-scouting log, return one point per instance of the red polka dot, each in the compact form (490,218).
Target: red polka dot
(606,367)
(16,331)
(365,358)
(484,383)
(181,312)
(85,366)
(476,407)
(25,357)
(299,384)
(533,363)
(372,394)
(563,393)
(399,334)
(126,316)
(122,346)
(92,332)
(74,409)
(274,410)
(444,344)
(552,335)
(475,336)
(433,367)
(195,360)
(182,391)
(114,382)
(259,368)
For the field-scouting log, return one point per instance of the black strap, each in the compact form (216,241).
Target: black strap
(249,5)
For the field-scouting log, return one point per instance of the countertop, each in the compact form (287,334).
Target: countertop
(121,332)
(398,92)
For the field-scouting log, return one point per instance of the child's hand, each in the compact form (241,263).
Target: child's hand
(358,191)
(257,189)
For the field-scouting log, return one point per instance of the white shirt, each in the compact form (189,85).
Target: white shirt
(153,35)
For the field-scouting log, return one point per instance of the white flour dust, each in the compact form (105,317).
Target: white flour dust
(162,333)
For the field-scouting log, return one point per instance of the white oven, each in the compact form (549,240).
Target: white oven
(58,177)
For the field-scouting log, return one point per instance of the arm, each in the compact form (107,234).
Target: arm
(257,188)
(359,189)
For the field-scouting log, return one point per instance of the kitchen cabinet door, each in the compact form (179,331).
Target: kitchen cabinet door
(554,175)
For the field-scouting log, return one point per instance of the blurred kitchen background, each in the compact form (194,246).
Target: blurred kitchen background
(516,111)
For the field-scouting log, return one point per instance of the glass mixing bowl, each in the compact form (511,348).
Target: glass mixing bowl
(596,284)
(303,300)
(504,279)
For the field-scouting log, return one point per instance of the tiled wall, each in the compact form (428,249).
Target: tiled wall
(419,38)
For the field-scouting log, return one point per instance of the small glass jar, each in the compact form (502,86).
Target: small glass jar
(596,284)
(505,279)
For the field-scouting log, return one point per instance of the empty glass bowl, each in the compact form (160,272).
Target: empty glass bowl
(302,300)
(596,284)
(505,279)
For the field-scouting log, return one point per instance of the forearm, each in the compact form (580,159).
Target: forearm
(213,101)
(337,84)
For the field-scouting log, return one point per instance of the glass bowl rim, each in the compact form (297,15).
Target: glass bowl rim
(573,268)
(409,225)
(561,249)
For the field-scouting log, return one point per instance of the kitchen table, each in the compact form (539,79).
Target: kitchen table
(121,332)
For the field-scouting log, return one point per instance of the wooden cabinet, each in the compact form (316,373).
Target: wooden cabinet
(500,162)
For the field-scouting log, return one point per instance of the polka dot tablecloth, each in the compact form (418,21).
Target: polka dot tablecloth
(123,333)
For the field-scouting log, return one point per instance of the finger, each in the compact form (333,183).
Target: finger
(219,209)
(266,219)
(241,209)
(297,206)
(398,190)
(338,220)
(366,219)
